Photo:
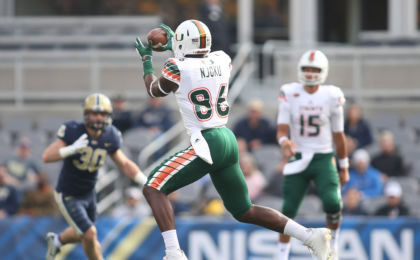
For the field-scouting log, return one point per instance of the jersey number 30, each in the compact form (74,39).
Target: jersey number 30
(201,100)
(90,159)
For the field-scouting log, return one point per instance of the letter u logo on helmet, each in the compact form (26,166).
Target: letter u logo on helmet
(192,37)
(97,103)
(313,59)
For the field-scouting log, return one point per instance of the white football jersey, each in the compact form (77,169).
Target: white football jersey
(203,88)
(312,118)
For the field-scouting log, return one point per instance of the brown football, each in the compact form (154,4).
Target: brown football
(158,37)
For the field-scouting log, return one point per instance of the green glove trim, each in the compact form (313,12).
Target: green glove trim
(146,55)
(169,35)
(147,66)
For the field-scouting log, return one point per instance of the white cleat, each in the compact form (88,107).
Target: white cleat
(175,255)
(52,250)
(319,243)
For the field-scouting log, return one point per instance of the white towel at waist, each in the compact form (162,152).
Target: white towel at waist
(298,165)
(201,146)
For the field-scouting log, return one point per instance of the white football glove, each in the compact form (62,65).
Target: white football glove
(80,143)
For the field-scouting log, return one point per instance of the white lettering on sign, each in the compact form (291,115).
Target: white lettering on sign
(262,245)
(350,245)
(383,243)
(202,246)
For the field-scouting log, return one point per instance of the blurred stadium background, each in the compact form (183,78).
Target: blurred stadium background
(53,53)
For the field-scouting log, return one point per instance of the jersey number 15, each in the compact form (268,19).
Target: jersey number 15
(309,125)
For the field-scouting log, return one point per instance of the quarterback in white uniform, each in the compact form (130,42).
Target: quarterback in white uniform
(313,113)
(200,81)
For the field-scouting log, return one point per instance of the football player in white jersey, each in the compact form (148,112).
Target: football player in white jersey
(313,113)
(199,80)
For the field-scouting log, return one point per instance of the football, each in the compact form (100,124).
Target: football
(158,37)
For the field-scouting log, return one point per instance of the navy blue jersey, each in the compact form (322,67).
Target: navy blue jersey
(80,171)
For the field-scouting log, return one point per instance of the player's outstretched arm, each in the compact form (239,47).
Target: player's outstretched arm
(51,153)
(128,167)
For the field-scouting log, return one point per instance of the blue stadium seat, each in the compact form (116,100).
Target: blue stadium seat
(267,158)
(409,185)
(311,207)
(52,171)
(413,123)
(410,153)
(270,201)
(415,171)
(190,193)
(6,150)
(16,124)
(371,205)
(134,140)
(385,121)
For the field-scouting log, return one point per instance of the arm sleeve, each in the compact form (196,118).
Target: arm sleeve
(337,111)
(171,71)
(283,116)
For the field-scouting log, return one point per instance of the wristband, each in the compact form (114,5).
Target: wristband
(147,65)
(344,163)
(282,139)
(65,151)
(140,178)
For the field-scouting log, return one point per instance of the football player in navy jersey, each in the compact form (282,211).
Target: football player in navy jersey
(83,147)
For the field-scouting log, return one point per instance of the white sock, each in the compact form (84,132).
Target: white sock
(284,249)
(57,241)
(334,239)
(171,240)
(296,230)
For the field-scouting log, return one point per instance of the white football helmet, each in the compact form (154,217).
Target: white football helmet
(191,37)
(313,59)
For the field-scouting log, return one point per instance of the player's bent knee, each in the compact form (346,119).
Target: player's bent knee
(241,215)
(334,218)
(332,205)
(90,234)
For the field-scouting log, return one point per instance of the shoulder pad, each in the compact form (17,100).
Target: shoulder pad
(288,88)
(221,54)
(71,124)
(337,95)
(170,70)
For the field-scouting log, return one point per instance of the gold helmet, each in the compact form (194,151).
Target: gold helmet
(97,103)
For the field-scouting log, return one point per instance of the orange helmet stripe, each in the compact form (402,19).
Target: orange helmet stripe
(312,56)
(202,33)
